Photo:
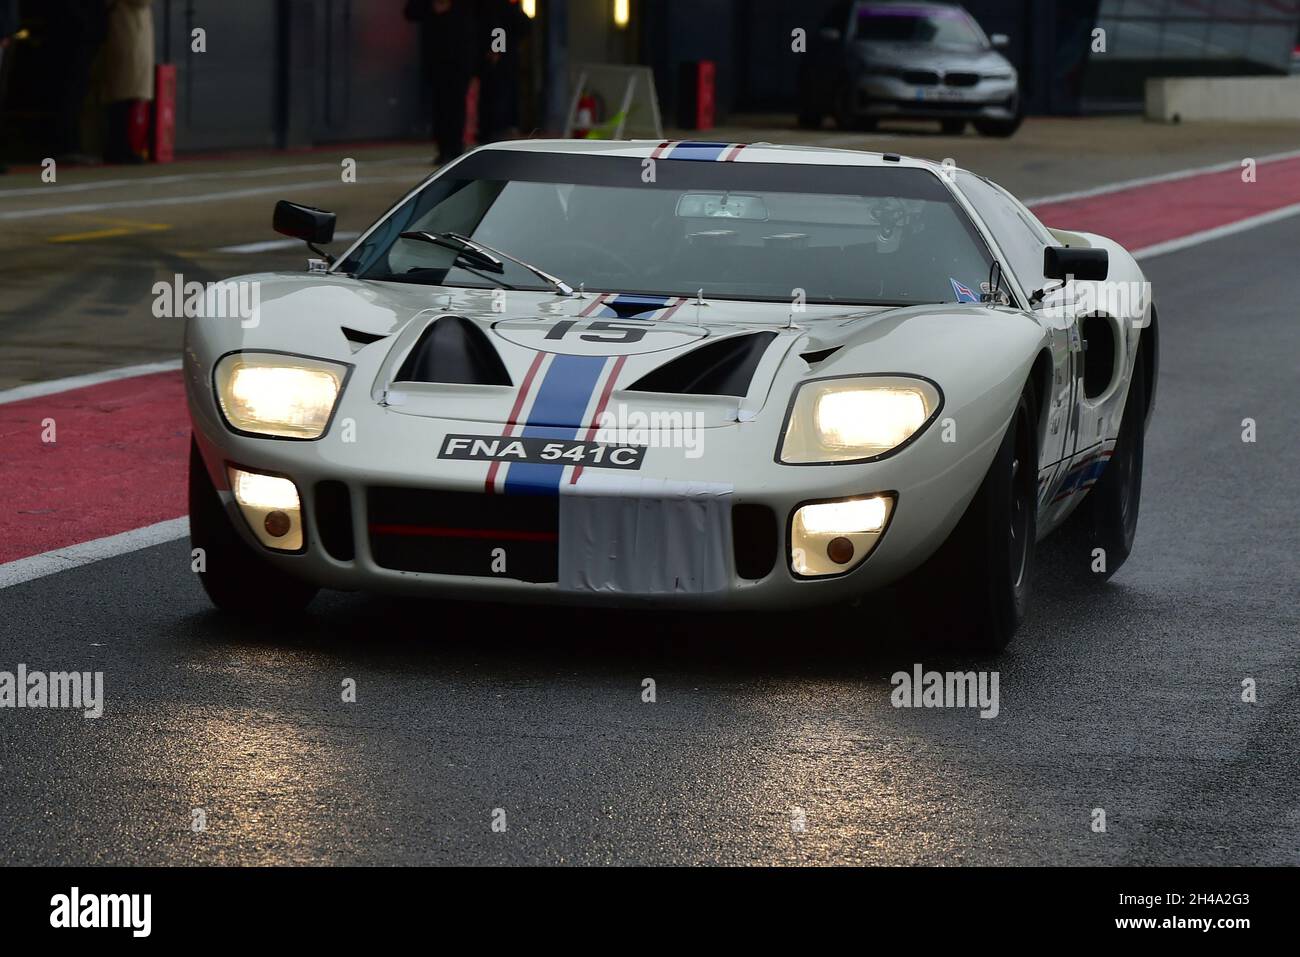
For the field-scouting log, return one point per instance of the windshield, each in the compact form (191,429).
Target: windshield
(903,24)
(758,231)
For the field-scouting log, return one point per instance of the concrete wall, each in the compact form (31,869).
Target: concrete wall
(1243,99)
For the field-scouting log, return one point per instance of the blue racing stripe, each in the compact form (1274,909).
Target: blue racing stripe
(557,413)
(698,151)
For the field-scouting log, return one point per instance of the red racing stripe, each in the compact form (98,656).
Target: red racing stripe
(600,409)
(491,484)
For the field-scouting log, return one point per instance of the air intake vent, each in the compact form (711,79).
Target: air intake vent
(724,367)
(455,351)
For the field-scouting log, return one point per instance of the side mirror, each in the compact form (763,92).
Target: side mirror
(313,226)
(1060,262)
(1000,41)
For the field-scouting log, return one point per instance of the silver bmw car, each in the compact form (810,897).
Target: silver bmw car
(874,60)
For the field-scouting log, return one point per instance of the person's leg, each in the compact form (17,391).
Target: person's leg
(449,115)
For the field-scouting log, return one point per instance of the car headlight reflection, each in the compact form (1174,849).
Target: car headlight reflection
(854,418)
(285,396)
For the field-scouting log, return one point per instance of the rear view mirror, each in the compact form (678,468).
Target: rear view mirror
(721,206)
(313,226)
(1061,262)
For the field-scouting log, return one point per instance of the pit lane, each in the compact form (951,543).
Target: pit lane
(1126,699)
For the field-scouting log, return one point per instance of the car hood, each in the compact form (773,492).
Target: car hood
(718,360)
(926,56)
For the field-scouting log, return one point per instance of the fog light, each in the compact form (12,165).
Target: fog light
(271,506)
(831,538)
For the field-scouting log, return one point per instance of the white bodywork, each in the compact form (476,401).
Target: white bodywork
(663,534)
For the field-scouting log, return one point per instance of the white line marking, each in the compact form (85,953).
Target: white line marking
(55,188)
(184,200)
(62,559)
(268,245)
(38,389)
(1159,178)
(1218,232)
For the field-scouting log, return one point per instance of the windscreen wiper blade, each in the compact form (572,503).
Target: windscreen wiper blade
(489,255)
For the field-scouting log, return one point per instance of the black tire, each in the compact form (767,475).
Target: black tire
(953,127)
(1107,517)
(236,578)
(999,128)
(974,591)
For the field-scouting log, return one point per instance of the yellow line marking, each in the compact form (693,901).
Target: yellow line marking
(116,228)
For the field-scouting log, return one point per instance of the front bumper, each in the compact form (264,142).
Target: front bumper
(883,96)
(711,532)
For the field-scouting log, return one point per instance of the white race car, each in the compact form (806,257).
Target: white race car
(682,374)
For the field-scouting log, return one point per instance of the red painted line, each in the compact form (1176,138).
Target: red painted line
(734,152)
(600,410)
(681,300)
(490,486)
(658,150)
(591,306)
(437,531)
(118,463)
(1143,216)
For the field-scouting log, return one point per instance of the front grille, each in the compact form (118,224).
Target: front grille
(921,77)
(334,520)
(465,533)
(961,79)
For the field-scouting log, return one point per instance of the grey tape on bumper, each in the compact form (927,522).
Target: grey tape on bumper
(637,536)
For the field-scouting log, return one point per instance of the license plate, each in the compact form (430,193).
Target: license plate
(541,451)
(940,95)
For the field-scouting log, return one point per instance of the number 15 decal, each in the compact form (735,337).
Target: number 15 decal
(620,331)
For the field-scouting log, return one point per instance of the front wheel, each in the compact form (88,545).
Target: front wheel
(236,578)
(975,589)
(999,128)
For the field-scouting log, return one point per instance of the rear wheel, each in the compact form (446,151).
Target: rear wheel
(975,589)
(236,578)
(1099,534)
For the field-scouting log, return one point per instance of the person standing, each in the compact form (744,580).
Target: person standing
(498,98)
(449,54)
(128,79)
(8,28)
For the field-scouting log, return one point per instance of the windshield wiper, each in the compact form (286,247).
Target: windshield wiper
(487,256)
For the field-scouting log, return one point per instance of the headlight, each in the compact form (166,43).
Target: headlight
(856,418)
(287,396)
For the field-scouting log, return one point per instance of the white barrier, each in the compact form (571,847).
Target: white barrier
(1241,99)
